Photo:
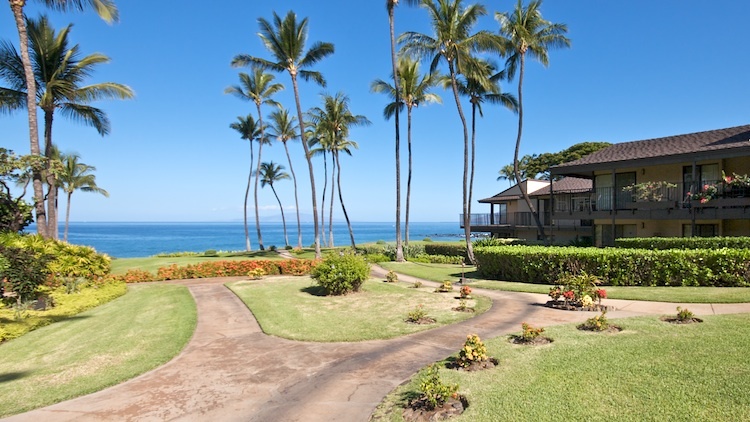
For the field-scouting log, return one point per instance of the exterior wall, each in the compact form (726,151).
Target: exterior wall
(736,227)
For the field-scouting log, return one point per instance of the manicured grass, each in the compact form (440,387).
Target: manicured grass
(96,349)
(153,263)
(440,272)
(298,309)
(652,370)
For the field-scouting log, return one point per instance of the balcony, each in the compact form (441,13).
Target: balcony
(502,223)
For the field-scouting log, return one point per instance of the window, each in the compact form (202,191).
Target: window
(704,174)
(701,230)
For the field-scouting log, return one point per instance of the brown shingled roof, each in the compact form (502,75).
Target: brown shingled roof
(713,143)
(566,185)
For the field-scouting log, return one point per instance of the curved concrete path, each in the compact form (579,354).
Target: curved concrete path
(231,371)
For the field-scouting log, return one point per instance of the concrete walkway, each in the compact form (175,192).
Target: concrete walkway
(231,371)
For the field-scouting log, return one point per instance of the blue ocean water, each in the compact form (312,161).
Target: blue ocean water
(128,240)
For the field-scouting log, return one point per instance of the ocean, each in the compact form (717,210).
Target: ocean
(130,240)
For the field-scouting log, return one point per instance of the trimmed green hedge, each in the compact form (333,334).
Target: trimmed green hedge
(445,249)
(619,267)
(683,243)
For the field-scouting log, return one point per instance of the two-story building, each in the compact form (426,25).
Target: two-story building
(684,185)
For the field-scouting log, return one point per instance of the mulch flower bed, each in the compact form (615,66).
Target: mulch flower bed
(418,411)
(537,341)
(675,320)
(463,309)
(559,304)
(475,366)
(422,321)
(610,329)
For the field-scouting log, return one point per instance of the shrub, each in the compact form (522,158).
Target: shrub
(529,333)
(211,252)
(445,287)
(341,273)
(620,267)
(580,289)
(663,243)
(447,249)
(288,247)
(377,257)
(474,350)
(497,241)
(434,391)
(597,323)
(391,277)
(219,269)
(417,314)
(256,274)
(65,260)
(417,284)
(21,272)
(437,259)
(135,276)
(465,292)
(380,242)
(427,240)
(295,266)
(684,314)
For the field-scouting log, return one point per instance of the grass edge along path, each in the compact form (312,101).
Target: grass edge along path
(652,370)
(440,272)
(297,309)
(96,349)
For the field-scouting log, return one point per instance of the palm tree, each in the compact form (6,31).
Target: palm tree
(59,73)
(482,87)
(320,144)
(507,173)
(77,176)
(249,131)
(454,43)
(107,10)
(257,87)
(285,40)
(270,173)
(283,128)
(414,91)
(525,31)
(334,121)
(391,7)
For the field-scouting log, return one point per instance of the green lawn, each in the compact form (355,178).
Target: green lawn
(652,371)
(298,309)
(97,348)
(440,272)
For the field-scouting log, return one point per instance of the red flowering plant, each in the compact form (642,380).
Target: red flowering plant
(555,292)
(600,294)
(708,193)
(465,292)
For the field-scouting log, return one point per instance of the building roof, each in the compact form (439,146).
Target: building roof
(564,185)
(719,143)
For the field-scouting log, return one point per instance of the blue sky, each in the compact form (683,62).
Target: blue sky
(636,70)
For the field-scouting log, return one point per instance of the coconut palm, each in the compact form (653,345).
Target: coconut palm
(525,31)
(249,131)
(283,128)
(77,176)
(390,6)
(482,87)
(271,173)
(454,43)
(257,87)
(59,75)
(507,173)
(415,90)
(285,40)
(333,121)
(320,144)
(107,10)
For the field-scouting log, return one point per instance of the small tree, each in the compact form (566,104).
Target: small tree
(341,273)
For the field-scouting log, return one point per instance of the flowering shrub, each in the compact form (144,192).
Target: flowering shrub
(417,314)
(529,333)
(465,292)
(708,193)
(135,276)
(474,350)
(434,392)
(684,314)
(650,191)
(295,266)
(256,274)
(391,277)
(447,286)
(597,323)
(234,268)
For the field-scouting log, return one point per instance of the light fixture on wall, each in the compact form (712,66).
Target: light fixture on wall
(643,224)
(643,172)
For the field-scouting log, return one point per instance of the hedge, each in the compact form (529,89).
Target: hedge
(445,249)
(235,268)
(619,267)
(683,243)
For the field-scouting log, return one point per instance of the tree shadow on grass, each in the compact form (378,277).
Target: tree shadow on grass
(315,290)
(468,274)
(12,376)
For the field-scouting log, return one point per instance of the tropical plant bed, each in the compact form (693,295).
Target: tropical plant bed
(421,321)
(489,363)
(561,304)
(419,411)
(676,320)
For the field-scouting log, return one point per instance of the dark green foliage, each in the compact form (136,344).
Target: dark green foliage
(288,247)
(377,257)
(620,267)
(434,391)
(23,272)
(341,273)
(683,243)
(410,250)
(497,241)
(15,213)
(211,253)
(447,249)
(437,259)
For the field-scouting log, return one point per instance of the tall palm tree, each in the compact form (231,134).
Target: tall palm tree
(77,176)
(454,43)
(285,40)
(334,120)
(482,87)
(107,10)
(249,131)
(415,90)
(320,144)
(257,87)
(525,31)
(59,75)
(283,128)
(507,173)
(271,173)
(390,6)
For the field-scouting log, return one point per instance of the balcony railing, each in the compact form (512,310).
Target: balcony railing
(521,219)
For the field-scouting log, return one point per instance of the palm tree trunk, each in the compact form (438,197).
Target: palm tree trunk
(323,198)
(52,229)
(67,216)
(309,165)
(283,219)
(473,157)
(296,201)
(408,178)
(341,199)
(333,190)
(248,246)
(41,216)
(257,173)
(399,246)
(524,192)
(467,217)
